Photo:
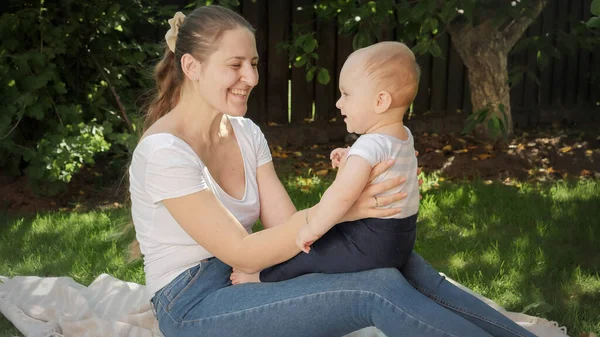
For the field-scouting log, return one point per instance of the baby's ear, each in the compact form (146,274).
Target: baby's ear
(383,102)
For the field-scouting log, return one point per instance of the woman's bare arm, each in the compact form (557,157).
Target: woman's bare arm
(210,224)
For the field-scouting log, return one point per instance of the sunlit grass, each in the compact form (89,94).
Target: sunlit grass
(532,248)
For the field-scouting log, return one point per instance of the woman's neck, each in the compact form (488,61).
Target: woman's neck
(198,121)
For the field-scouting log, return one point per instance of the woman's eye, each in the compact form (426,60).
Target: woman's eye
(254,65)
(236,65)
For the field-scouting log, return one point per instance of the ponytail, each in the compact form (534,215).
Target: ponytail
(168,88)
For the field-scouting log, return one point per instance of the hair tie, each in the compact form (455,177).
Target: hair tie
(175,23)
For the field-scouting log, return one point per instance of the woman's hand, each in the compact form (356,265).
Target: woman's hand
(367,205)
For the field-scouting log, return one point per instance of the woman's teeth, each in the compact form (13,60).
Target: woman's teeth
(238,92)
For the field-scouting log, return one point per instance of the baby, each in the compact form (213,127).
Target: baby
(377,84)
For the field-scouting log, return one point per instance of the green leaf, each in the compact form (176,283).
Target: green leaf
(300,61)
(311,73)
(362,39)
(501,108)
(593,23)
(323,76)
(434,49)
(595,7)
(469,127)
(515,79)
(532,76)
(469,10)
(542,60)
(35,111)
(403,15)
(419,10)
(310,44)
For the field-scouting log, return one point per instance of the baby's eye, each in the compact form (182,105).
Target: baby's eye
(254,65)
(344,94)
(236,65)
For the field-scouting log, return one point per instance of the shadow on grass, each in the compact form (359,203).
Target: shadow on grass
(81,246)
(524,245)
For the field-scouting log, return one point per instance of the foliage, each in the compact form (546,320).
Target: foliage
(70,75)
(420,24)
(495,125)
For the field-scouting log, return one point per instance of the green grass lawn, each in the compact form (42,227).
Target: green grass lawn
(533,248)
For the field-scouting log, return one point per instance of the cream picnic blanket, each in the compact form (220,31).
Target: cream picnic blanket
(59,307)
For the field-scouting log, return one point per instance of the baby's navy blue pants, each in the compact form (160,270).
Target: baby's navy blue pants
(351,247)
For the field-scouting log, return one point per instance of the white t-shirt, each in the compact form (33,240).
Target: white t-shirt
(375,148)
(164,167)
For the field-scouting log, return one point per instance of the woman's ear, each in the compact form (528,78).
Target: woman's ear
(383,102)
(191,67)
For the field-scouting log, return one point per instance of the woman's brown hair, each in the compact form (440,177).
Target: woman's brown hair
(201,30)
(198,35)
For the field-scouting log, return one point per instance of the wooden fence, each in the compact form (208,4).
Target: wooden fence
(566,90)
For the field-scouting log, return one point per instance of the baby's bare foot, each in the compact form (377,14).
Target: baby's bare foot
(239,277)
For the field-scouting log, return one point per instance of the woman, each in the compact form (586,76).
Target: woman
(201,176)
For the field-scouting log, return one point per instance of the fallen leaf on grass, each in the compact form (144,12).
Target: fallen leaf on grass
(565,149)
(589,152)
(485,156)
(585,173)
(298,154)
(320,156)
(322,172)
(489,147)
(447,148)
(461,151)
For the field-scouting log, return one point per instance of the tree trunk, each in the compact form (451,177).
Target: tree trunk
(484,50)
(487,70)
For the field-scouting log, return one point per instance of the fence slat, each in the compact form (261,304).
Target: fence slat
(456,74)
(516,62)
(421,104)
(585,68)
(278,65)
(343,50)
(530,92)
(595,84)
(444,86)
(572,60)
(325,94)
(439,78)
(256,13)
(302,90)
(560,65)
(548,19)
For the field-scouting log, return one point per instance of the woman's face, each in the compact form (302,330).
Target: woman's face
(230,73)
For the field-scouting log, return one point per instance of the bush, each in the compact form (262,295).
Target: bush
(71,73)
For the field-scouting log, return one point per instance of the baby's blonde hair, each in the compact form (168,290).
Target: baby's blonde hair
(392,67)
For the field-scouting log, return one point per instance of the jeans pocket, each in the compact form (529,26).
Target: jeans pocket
(181,284)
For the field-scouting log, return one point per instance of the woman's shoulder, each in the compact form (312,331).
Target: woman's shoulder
(245,124)
(161,142)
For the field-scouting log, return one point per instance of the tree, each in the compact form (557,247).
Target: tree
(483,33)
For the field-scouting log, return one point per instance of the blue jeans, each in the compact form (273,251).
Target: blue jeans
(202,302)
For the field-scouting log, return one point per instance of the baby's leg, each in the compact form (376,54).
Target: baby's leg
(334,252)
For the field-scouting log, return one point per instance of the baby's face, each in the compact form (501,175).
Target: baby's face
(357,97)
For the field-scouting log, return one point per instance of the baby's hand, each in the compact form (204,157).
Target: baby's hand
(306,238)
(338,156)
